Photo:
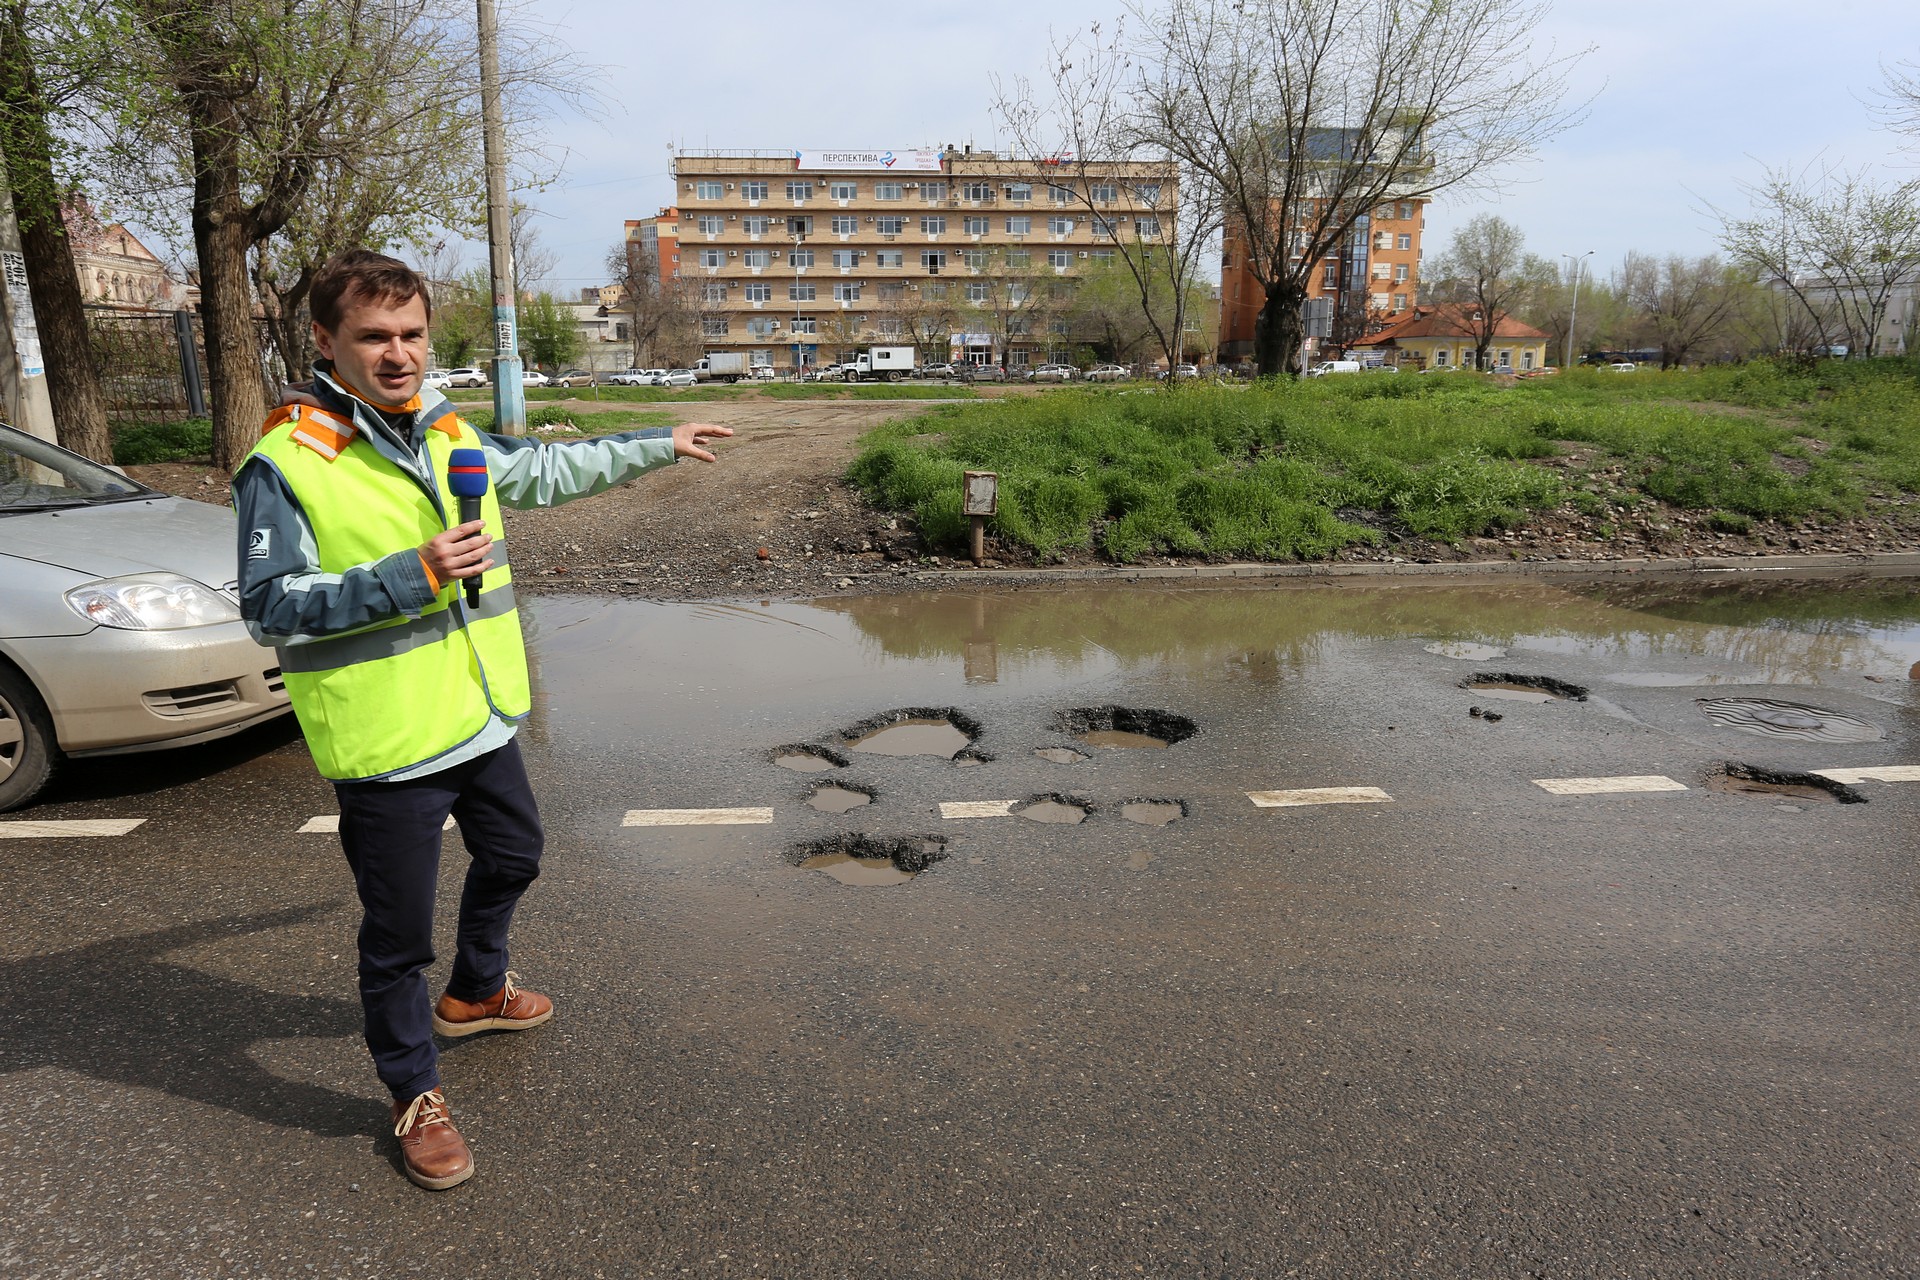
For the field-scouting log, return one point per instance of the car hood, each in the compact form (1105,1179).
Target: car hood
(111,540)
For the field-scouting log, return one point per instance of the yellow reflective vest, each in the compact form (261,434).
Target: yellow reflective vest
(400,693)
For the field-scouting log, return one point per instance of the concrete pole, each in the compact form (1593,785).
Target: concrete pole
(509,395)
(23,373)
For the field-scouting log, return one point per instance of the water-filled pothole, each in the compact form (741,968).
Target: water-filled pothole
(838,797)
(914,731)
(1125,727)
(1054,808)
(859,859)
(1746,779)
(1061,755)
(1519,688)
(1465,650)
(1774,719)
(1153,813)
(804,759)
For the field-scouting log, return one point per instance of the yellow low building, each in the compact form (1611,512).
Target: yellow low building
(1444,335)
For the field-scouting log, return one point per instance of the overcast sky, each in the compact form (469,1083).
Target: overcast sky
(1689,98)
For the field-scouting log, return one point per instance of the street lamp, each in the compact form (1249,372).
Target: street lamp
(799,238)
(1573,308)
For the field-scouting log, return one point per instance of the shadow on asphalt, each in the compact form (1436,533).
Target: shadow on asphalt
(119,1012)
(149,772)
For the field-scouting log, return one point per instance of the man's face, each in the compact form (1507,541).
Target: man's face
(380,348)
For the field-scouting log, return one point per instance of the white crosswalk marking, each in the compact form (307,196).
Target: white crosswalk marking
(696,817)
(1319,795)
(51,828)
(976,808)
(1607,786)
(329,823)
(1880,773)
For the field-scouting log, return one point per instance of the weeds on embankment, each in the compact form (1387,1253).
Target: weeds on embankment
(1300,470)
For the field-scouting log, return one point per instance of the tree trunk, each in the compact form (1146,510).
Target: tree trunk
(1277,329)
(73,379)
(222,235)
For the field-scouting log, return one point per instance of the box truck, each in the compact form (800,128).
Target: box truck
(881,364)
(728,366)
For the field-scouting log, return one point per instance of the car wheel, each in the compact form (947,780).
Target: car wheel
(27,751)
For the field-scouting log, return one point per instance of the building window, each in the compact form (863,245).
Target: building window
(1403,241)
(933,223)
(1399,273)
(933,192)
(1019,192)
(891,226)
(1440,358)
(757,225)
(758,259)
(713,257)
(846,257)
(709,190)
(1330,274)
(1382,241)
(887,191)
(799,257)
(845,224)
(1018,327)
(974,226)
(1018,293)
(933,259)
(800,224)
(974,259)
(846,292)
(892,291)
(805,324)
(712,224)
(1060,225)
(713,326)
(1060,259)
(1378,302)
(1103,229)
(1104,193)
(889,258)
(713,291)
(799,191)
(1102,256)
(1399,302)
(976,191)
(844,190)
(1059,195)
(760,291)
(1020,226)
(1021,259)
(1147,193)
(1147,228)
(979,291)
(1406,211)
(803,292)
(934,292)
(753,190)
(759,326)
(890,326)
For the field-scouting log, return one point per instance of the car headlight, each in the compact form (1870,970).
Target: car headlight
(151,602)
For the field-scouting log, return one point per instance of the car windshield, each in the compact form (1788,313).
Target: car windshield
(37,476)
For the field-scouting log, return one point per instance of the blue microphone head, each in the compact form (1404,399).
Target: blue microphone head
(467,473)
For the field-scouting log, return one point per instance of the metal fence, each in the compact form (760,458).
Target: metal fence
(153,364)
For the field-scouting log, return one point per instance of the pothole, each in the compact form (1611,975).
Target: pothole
(1465,650)
(915,731)
(858,859)
(1060,755)
(1153,813)
(1746,779)
(1125,727)
(838,797)
(970,757)
(803,759)
(1794,720)
(1518,688)
(1054,808)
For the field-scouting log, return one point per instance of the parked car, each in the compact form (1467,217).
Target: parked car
(118,626)
(1623,366)
(1108,373)
(1327,367)
(574,378)
(637,377)
(983,373)
(1180,371)
(825,373)
(467,377)
(763,372)
(436,380)
(534,378)
(677,378)
(936,371)
(1052,373)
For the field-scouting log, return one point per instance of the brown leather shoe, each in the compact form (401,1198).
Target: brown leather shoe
(435,1155)
(508,1009)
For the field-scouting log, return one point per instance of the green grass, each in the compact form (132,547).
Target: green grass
(185,441)
(597,423)
(1284,470)
(862,391)
(608,395)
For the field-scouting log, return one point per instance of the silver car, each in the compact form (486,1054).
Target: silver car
(118,626)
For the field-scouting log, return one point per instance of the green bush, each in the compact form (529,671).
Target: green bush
(188,440)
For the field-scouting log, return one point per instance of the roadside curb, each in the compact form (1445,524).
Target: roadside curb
(1890,564)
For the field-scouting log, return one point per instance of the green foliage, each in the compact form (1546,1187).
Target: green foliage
(595,423)
(549,339)
(188,440)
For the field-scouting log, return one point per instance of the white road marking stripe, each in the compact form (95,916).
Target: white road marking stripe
(696,817)
(1607,786)
(1319,795)
(329,824)
(49,828)
(976,808)
(1884,773)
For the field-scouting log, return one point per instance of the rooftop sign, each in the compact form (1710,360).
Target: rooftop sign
(898,161)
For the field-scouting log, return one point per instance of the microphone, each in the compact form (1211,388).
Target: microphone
(467,479)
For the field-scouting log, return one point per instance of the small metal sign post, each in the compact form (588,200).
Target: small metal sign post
(981,499)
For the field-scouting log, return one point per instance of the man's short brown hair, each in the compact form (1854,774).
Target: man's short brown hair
(363,275)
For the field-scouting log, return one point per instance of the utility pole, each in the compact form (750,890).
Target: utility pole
(1573,307)
(23,373)
(509,395)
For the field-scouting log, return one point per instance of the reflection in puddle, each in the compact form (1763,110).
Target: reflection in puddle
(1051,810)
(1681,680)
(857,871)
(832,798)
(1121,738)
(914,738)
(1153,813)
(1773,719)
(808,759)
(1465,650)
(1061,755)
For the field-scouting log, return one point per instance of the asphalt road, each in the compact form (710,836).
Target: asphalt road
(1476,1029)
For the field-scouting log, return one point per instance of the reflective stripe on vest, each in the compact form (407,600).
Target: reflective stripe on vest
(402,693)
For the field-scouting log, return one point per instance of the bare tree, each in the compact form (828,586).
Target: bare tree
(1305,115)
(1899,104)
(1683,303)
(1484,270)
(1836,242)
(533,261)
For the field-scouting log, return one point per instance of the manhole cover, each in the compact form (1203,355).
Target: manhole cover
(1795,720)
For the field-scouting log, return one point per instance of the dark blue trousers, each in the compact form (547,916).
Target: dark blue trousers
(391,833)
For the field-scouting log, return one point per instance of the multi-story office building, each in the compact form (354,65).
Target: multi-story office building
(1373,279)
(799,258)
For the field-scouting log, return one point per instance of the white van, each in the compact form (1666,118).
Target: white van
(1326,367)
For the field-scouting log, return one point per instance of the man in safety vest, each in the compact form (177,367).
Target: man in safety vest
(353,564)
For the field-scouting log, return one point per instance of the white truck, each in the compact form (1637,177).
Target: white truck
(881,364)
(728,366)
